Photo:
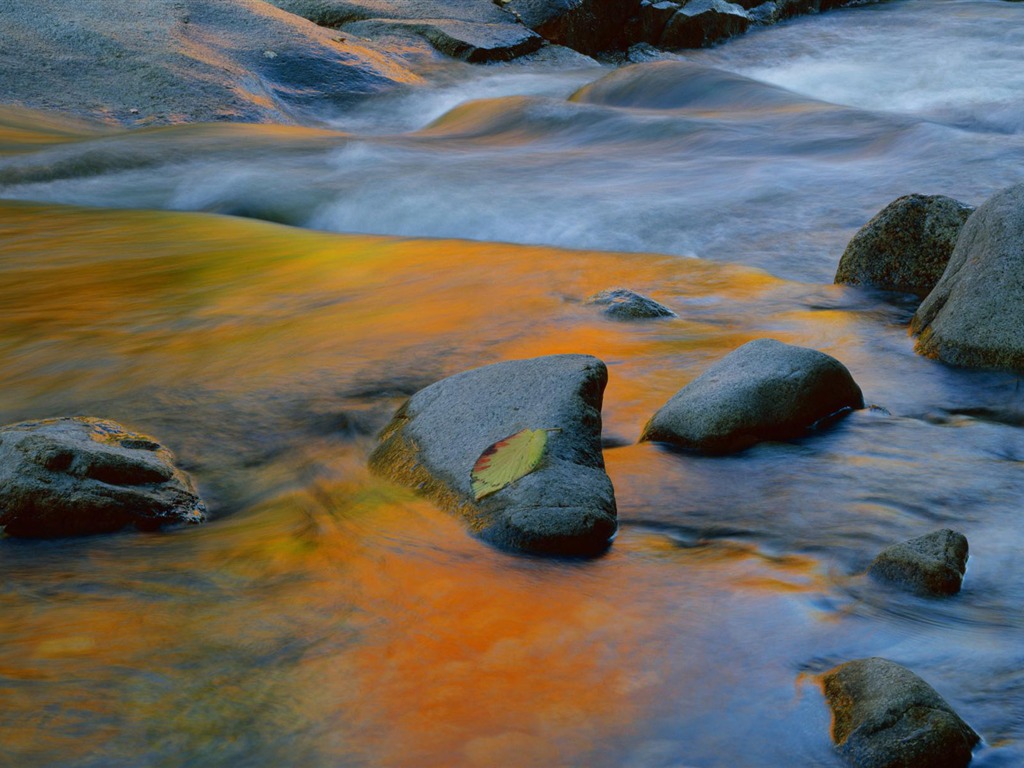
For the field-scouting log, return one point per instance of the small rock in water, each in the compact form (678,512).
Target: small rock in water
(765,390)
(972,318)
(77,476)
(566,506)
(906,246)
(623,304)
(931,565)
(885,716)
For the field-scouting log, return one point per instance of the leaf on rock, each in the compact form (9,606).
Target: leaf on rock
(508,460)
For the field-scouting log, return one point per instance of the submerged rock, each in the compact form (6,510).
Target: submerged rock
(564,507)
(972,318)
(932,565)
(77,476)
(765,390)
(885,716)
(624,304)
(906,246)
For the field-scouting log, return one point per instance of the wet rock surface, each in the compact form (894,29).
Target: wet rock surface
(475,42)
(154,62)
(564,507)
(972,318)
(885,716)
(765,390)
(906,246)
(77,476)
(624,304)
(931,565)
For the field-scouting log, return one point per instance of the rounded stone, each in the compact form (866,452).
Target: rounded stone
(765,390)
(906,246)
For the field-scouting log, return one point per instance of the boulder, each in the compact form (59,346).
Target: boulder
(885,716)
(972,318)
(702,23)
(564,507)
(931,565)
(765,390)
(77,476)
(474,42)
(624,304)
(153,62)
(906,246)
(588,26)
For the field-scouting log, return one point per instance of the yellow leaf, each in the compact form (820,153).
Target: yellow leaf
(508,460)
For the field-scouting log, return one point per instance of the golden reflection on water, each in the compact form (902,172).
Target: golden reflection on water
(344,620)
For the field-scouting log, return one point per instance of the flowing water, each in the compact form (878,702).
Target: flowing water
(326,618)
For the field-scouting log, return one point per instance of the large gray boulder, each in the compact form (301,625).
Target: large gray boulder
(930,565)
(885,716)
(906,246)
(765,390)
(972,318)
(154,61)
(76,476)
(566,506)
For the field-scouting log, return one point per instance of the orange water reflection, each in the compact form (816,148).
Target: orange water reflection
(338,620)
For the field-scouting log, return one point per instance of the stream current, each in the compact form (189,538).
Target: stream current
(326,618)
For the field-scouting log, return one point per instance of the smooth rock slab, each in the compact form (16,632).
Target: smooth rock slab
(885,716)
(76,476)
(972,318)
(470,41)
(566,506)
(765,390)
(906,246)
(624,304)
(932,565)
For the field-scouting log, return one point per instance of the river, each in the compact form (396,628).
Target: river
(326,618)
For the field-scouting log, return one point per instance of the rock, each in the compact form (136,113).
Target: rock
(765,390)
(566,506)
(77,476)
(470,41)
(885,716)
(906,246)
(972,318)
(588,26)
(175,62)
(702,23)
(930,565)
(623,304)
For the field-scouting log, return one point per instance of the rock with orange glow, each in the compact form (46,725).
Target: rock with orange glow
(471,30)
(77,476)
(148,62)
(566,506)
(885,716)
(765,390)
